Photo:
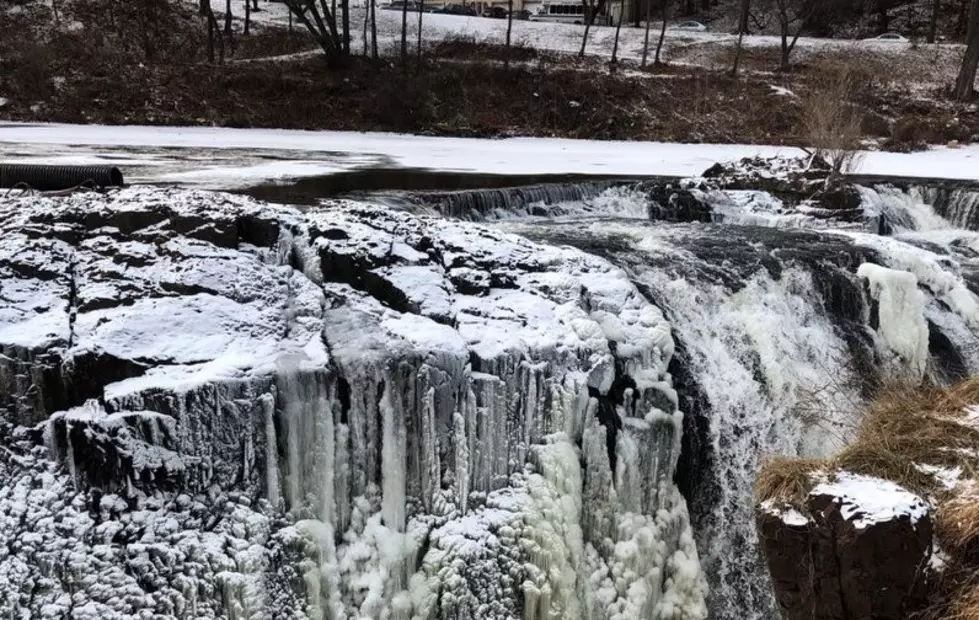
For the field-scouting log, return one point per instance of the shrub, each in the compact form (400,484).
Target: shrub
(831,121)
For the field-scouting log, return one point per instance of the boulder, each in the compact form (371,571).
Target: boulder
(856,550)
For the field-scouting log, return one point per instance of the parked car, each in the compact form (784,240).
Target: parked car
(689,26)
(892,37)
(524,15)
(456,9)
(495,12)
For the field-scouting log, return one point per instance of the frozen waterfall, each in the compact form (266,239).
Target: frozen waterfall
(535,403)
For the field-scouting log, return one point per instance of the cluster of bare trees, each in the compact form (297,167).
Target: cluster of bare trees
(329,24)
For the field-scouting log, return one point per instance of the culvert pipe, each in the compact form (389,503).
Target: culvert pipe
(47,178)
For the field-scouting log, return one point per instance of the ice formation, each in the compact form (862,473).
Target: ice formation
(421,418)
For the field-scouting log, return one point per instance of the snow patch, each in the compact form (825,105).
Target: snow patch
(866,501)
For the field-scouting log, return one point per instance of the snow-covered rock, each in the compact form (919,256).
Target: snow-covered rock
(423,418)
(857,549)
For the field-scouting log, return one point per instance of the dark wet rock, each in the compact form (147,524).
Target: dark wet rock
(849,555)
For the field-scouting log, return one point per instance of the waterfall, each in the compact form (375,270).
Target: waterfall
(556,411)
(781,334)
(959,206)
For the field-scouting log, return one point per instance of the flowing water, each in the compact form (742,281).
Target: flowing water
(779,334)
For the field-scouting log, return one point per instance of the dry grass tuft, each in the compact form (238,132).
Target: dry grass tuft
(787,480)
(957,524)
(905,426)
(965,603)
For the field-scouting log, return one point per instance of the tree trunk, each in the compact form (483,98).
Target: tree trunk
(203,7)
(645,42)
(374,54)
(662,32)
(936,7)
(784,56)
(404,35)
(212,29)
(965,85)
(591,13)
(743,18)
(248,17)
(227,17)
(367,17)
(618,28)
(210,37)
(509,33)
(421,11)
(345,7)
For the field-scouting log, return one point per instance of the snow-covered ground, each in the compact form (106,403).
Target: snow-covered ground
(228,158)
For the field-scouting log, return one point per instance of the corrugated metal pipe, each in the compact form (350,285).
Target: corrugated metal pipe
(55,178)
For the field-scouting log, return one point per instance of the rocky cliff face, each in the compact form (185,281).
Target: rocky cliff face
(859,548)
(216,408)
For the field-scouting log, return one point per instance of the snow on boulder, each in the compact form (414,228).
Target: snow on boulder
(854,550)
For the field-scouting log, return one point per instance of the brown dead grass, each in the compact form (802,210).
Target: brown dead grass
(787,480)
(903,426)
(957,524)
(906,426)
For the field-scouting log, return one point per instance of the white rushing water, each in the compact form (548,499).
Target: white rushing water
(781,334)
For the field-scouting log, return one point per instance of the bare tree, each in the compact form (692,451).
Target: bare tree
(662,32)
(421,11)
(509,33)
(404,35)
(743,26)
(791,14)
(645,41)
(965,84)
(618,28)
(212,33)
(936,8)
(227,18)
(248,17)
(367,17)
(321,24)
(374,54)
(831,122)
(592,10)
(345,7)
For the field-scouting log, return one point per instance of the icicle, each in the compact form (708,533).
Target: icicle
(325,459)
(393,461)
(461,460)
(342,492)
(272,488)
(293,415)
